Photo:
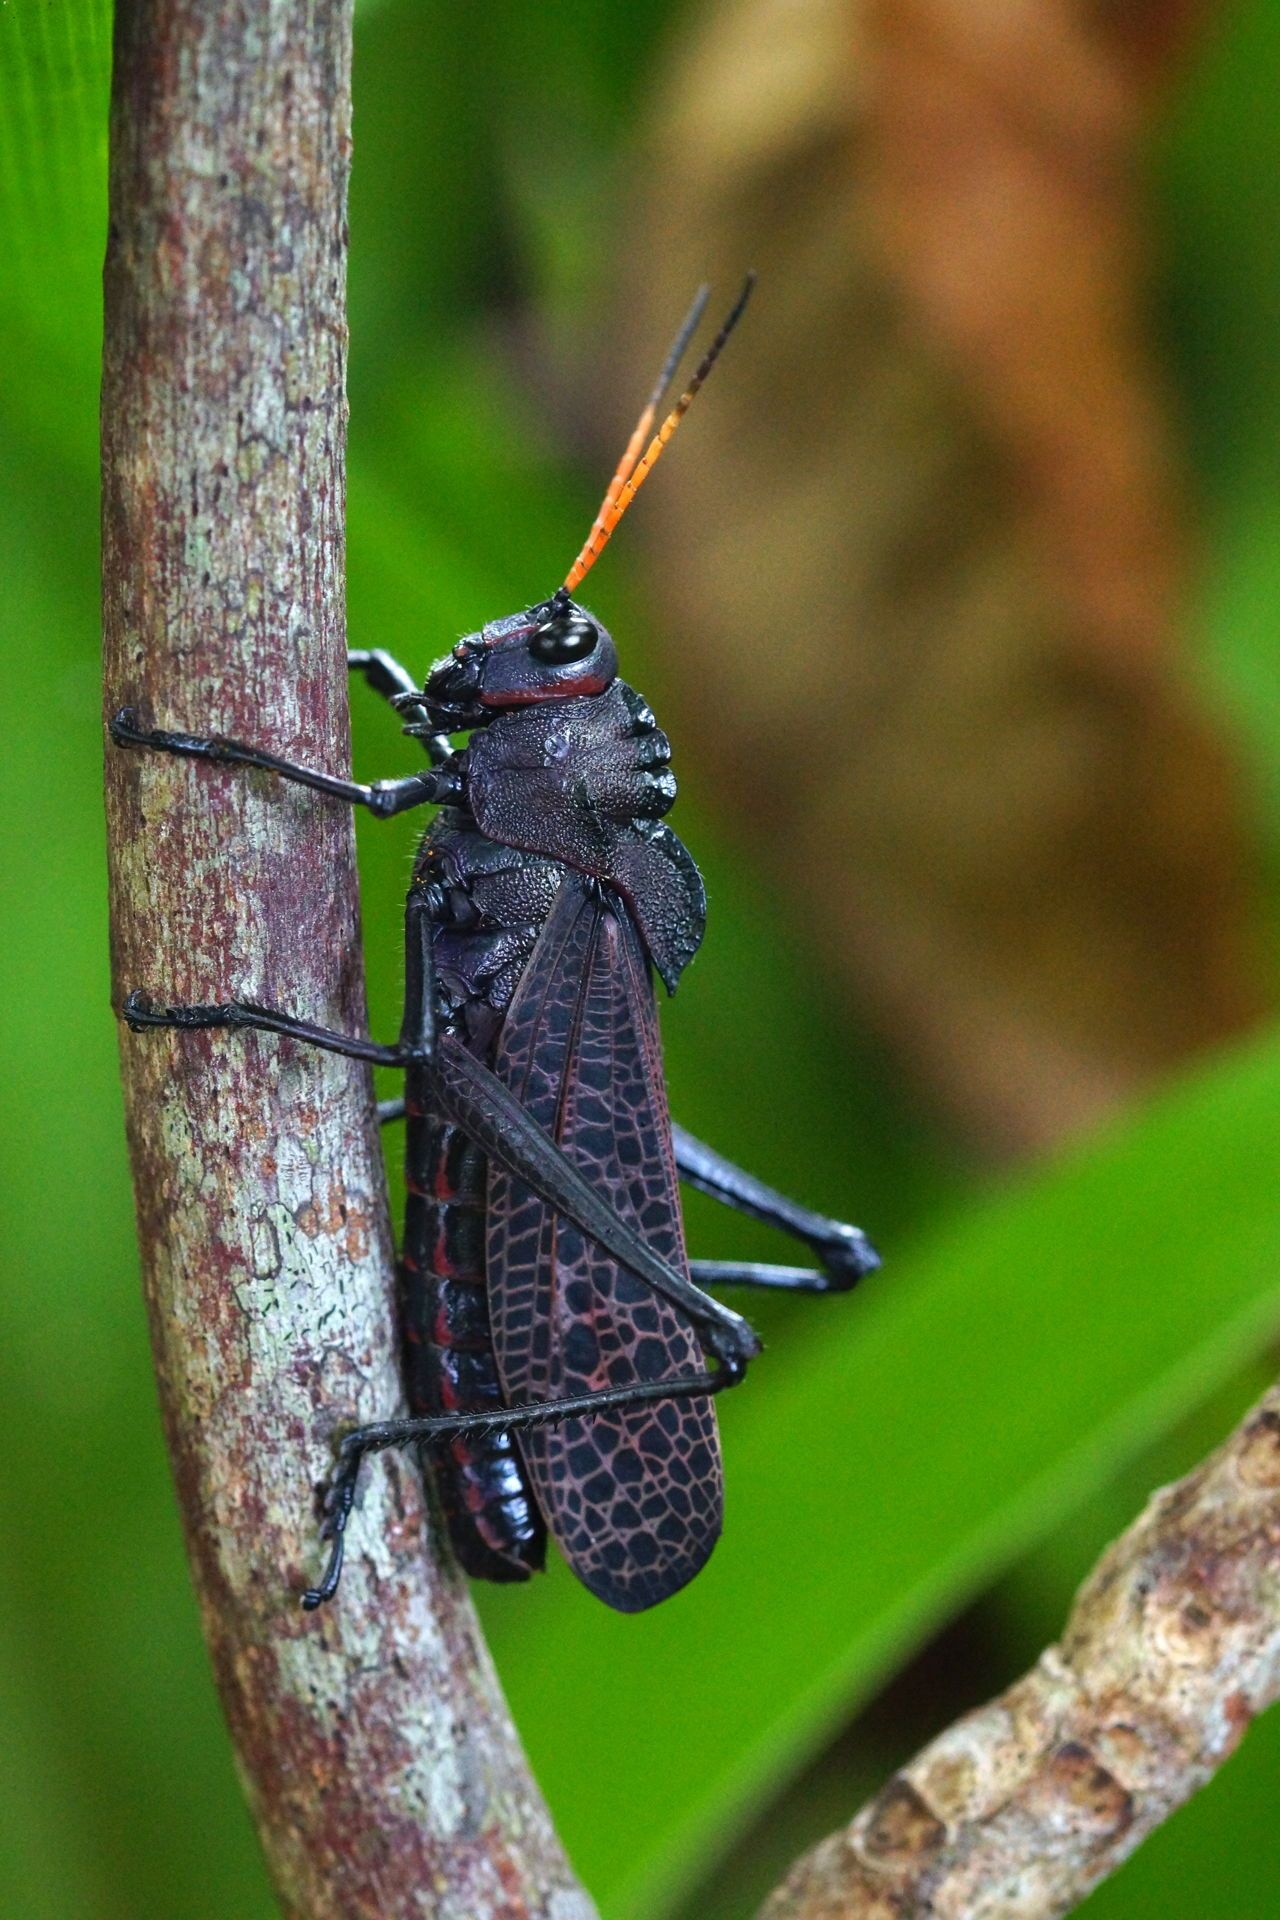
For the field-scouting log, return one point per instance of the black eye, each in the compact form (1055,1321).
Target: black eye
(564,637)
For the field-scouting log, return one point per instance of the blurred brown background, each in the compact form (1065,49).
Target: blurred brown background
(925,559)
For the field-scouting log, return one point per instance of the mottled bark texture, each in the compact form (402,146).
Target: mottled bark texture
(1017,1811)
(375,1747)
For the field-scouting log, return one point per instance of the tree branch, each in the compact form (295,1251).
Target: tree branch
(377,1754)
(1020,1809)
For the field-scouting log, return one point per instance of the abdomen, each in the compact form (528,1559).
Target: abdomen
(493,1520)
(488,905)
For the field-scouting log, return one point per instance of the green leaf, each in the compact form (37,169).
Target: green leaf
(54,82)
(900,1451)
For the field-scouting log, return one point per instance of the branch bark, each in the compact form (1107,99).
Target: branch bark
(1020,1809)
(377,1754)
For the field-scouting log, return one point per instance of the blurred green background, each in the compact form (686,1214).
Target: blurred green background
(918,1477)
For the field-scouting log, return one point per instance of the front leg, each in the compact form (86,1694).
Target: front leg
(384,798)
(845,1252)
(384,673)
(397,685)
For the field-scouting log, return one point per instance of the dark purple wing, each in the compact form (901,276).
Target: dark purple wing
(634,1497)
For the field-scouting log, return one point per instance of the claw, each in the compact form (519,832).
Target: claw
(315,1597)
(138,1011)
(848,1255)
(335,1508)
(733,1347)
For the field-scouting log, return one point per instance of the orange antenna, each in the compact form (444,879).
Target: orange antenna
(631,473)
(644,425)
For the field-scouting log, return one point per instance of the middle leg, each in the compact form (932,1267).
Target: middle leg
(756,1273)
(470,1094)
(845,1252)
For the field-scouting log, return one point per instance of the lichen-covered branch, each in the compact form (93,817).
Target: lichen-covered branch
(1017,1811)
(374,1744)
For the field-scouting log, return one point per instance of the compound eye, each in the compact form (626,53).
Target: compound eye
(564,637)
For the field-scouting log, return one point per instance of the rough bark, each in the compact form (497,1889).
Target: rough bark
(376,1751)
(1020,1809)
